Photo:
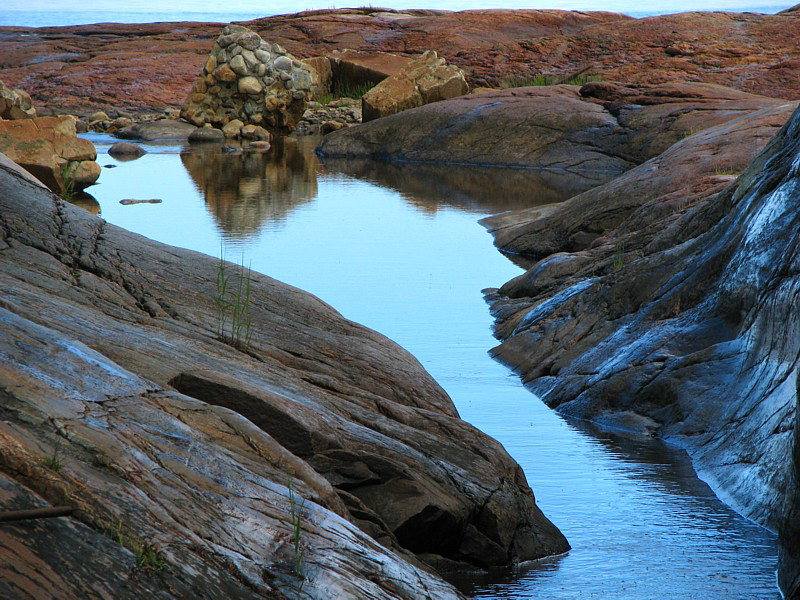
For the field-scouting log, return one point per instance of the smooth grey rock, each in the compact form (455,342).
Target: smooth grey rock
(111,353)
(127,150)
(283,63)
(165,129)
(665,303)
(238,65)
(206,134)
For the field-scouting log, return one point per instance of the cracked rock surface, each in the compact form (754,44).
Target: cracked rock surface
(665,302)
(116,397)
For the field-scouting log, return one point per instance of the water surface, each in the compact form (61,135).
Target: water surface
(398,248)
(42,13)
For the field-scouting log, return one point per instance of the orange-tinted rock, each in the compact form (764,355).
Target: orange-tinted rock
(15,104)
(48,147)
(116,65)
(424,80)
(351,66)
(321,75)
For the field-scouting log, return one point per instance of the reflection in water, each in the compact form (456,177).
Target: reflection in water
(640,523)
(242,190)
(473,189)
(86,202)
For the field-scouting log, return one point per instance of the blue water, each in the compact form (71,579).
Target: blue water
(41,13)
(399,249)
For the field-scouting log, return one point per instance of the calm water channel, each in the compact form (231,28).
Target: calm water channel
(399,249)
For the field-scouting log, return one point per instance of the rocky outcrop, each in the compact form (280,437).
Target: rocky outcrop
(649,195)
(51,150)
(15,104)
(121,66)
(672,314)
(160,130)
(426,79)
(247,79)
(597,128)
(219,458)
(352,67)
(244,192)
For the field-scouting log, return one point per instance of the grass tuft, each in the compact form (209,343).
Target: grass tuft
(541,79)
(232,300)
(297,534)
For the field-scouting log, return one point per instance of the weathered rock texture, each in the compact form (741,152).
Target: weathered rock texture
(168,438)
(424,80)
(673,311)
(116,65)
(247,79)
(600,127)
(51,150)
(15,104)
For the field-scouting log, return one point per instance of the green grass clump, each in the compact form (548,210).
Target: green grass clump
(296,510)
(541,79)
(346,90)
(232,300)
(54,460)
(147,557)
(67,175)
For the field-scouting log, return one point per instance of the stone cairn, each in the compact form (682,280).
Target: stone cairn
(245,78)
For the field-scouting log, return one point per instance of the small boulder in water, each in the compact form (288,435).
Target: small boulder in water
(126,151)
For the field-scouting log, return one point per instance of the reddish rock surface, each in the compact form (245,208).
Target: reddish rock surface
(152,66)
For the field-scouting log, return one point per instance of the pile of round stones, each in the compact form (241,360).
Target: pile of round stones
(245,78)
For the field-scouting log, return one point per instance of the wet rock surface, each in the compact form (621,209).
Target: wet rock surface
(117,65)
(596,128)
(119,399)
(666,312)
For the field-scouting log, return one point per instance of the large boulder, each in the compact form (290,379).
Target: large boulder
(308,456)
(160,130)
(51,150)
(606,130)
(15,103)
(665,303)
(424,80)
(247,79)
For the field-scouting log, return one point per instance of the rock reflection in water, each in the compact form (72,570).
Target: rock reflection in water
(86,201)
(243,190)
(474,189)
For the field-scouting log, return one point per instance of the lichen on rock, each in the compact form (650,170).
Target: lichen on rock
(247,79)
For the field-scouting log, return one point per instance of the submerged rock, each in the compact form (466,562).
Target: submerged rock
(665,303)
(127,398)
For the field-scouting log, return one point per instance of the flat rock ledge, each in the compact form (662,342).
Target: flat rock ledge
(598,128)
(665,303)
(201,468)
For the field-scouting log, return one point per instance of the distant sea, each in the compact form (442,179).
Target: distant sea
(48,13)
